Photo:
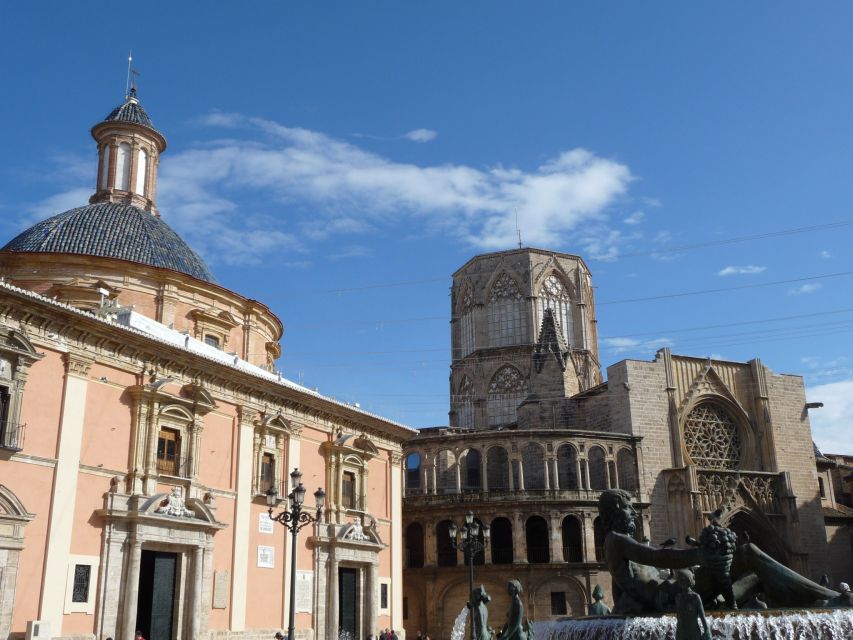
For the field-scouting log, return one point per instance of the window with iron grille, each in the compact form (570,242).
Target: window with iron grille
(267,472)
(82,573)
(348,497)
(383,595)
(558,603)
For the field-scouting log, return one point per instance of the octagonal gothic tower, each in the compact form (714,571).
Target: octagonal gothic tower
(499,320)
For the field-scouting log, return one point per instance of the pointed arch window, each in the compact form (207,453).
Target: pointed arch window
(123,167)
(506,391)
(465,399)
(141,171)
(506,318)
(466,322)
(554,295)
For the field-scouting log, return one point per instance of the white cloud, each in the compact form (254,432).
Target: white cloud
(619,344)
(748,269)
(831,424)
(57,203)
(805,289)
(421,135)
(825,254)
(635,218)
(268,189)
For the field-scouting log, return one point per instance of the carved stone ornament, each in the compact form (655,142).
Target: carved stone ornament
(505,287)
(711,437)
(507,380)
(174,505)
(553,287)
(356,532)
(77,365)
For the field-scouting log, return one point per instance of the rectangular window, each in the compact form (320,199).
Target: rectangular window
(168,451)
(212,341)
(348,497)
(82,573)
(383,595)
(558,603)
(267,472)
(821,487)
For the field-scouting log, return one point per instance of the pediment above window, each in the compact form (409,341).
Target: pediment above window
(352,443)
(84,293)
(215,317)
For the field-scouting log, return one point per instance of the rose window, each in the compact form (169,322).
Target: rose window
(711,437)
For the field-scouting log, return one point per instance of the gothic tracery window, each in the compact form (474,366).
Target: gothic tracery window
(506,391)
(506,319)
(465,403)
(466,322)
(555,296)
(711,437)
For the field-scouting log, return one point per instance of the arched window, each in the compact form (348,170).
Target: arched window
(554,295)
(567,467)
(627,468)
(123,167)
(501,541)
(536,529)
(445,552)
(445,469)
(471,476)
(506,318)
(465,404)
(466,322)
(105,166)
(414,546)
(506,391)
(572,540)
(712,438)
(413,471)
(598,534)
(533,459)
(497,468)
(141,171)
(597,469)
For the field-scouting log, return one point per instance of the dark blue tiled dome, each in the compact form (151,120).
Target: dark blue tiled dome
(111,230)
(131,111)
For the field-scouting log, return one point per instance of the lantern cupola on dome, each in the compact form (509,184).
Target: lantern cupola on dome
(129,149)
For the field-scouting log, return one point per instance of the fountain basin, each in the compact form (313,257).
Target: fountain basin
(834,624)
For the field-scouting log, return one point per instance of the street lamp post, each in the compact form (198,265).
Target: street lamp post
(470,544)
(294,520)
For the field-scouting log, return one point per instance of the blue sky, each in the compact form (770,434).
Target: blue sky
(339,161)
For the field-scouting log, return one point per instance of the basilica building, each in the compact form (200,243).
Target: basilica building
(144,429)
(535,435)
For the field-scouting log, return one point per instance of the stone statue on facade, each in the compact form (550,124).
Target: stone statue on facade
(480,614)
(598,608)
(356,531)
(690,614)
(174,505)
(515,627)
(639,589)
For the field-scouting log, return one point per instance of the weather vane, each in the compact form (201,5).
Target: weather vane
(130,83)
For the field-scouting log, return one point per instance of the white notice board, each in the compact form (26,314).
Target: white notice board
(304,591)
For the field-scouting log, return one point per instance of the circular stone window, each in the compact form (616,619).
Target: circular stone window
(711,437)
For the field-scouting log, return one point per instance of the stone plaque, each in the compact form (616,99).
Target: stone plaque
(269,442)
(304,591)
(266,557)
(265,525)
(221,584)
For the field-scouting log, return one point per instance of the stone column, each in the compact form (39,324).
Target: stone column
(519,540)
(607,472)
(579,471)
(242,517)
(396,595)
(332,599)
(520,474)
(430,551)
(484,470)
(586,482)
(588,538)
(556,537)
(150,484)
(198,582)
(131,592)
(373,597)
(555,475)
(547,469)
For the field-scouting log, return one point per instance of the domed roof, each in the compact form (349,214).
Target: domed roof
(130,111)
(113,230)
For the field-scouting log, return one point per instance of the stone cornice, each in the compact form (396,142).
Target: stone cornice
(77,364)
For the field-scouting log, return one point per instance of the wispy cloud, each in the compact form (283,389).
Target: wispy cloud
(831,424)
(825,254)
(635,218)
(804,289)
(421,135)
(619,344)
(268,188)
(746,270)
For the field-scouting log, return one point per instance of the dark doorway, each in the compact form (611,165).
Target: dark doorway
(347,603)
(155,607)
